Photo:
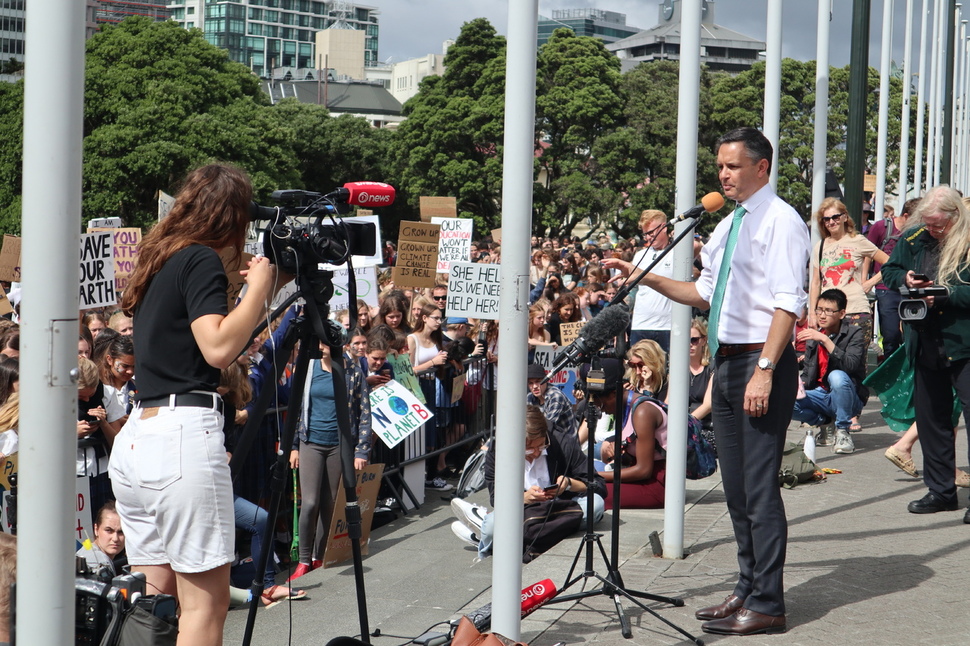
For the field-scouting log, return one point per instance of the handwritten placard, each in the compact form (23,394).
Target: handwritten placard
(545,356)
(455,243)
(437,207)
(404,374)
(97,286)
(165,204)
(420,232)
(569,331)
(473,290)
(126,242)
(365,281)
(396,413)
(10,259)
(457,388)
(5,306)
(339,548)
(497,236)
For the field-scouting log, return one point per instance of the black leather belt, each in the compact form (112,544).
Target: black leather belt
(199,400)
(731,349)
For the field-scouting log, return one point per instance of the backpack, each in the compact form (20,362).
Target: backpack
(701,456)
(796,467)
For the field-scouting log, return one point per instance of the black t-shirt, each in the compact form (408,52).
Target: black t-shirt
(191,284)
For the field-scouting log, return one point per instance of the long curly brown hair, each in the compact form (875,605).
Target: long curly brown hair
(211,209)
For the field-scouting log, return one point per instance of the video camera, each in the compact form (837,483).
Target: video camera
(294,246)
(913,307)
(114,610)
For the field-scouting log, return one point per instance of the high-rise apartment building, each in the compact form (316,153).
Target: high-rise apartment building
(607,26)
(269,34)
(11,30)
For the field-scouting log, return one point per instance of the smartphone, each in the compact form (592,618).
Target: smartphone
(923,277)
(552,488)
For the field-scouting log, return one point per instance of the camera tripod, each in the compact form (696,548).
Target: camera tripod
(309,329)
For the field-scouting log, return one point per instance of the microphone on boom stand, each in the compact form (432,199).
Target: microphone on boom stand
(592,337)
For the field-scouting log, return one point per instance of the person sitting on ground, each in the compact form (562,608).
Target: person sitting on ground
(107,550)
(554,403)
(549,462)
(643,472)
(835,365)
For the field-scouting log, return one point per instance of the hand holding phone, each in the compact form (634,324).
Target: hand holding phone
(922,277)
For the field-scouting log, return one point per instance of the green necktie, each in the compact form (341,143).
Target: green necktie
(722,277)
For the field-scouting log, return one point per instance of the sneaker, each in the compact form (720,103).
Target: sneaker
(843,442)
(465,534)
(825,434)
(470,514)
(439,484)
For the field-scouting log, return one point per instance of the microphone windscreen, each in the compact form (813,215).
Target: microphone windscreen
(370,193)
(607,324)
(713,202)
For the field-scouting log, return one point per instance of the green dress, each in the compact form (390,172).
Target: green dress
(892,382)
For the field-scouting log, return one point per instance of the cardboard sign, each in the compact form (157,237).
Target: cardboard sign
(457,388)
(396,413)
(126,242)
(473,290)
(165,204)
(437,207)
(416,264)
(404,374)
(569,331)
(8,467)
(10,259)
(97,286)
(455,243)
(420,232)
(366,282)
(233,265)
(339,548)
(497,236)
(5,306)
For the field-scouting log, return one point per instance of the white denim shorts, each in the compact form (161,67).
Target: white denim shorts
(174,493)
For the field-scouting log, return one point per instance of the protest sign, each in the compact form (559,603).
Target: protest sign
(455,243)
(497,236)
(97,286)
(404,374)
(125,252)
(366,282)
(569,331)
(233,264)
(165,204)
(457,388)
(473,290)
(339,548)
(545,355)
(396,413)
(5,306)
(10,259)
(417,255)
(437,207)
(8,467)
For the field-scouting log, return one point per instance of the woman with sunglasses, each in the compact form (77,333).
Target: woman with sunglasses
(840,261)
(701,370)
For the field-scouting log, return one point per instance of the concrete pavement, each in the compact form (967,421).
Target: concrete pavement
(860,568)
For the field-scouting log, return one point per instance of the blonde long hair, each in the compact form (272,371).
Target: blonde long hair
(830,203)
(955,245)
(653,357)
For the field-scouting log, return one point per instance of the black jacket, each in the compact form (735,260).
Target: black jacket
(848,356)
(564,459)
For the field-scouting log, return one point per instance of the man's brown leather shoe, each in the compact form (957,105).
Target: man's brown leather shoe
(746,622)
(731,603)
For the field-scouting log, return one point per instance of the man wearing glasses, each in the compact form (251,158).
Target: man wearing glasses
(835,365)
(651,311)
(440,297)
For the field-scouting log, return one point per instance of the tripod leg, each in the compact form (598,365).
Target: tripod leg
(625,628)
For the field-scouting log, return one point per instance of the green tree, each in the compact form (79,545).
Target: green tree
(160,100)
(11,155)
(450,144)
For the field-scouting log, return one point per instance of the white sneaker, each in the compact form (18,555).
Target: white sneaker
(843,441)
(465,534)
(439,484)
(470,514)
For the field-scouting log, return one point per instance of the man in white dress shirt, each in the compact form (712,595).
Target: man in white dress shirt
(755,372)
(652,310)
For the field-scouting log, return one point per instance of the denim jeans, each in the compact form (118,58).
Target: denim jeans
(488,525)
(252,518)
(839,403)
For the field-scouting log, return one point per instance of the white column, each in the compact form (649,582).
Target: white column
(772,105)
(924,49)
(687,114)
(520,106)
(881,148)
(53,113)
(933,109)
(902,190)
(820,160)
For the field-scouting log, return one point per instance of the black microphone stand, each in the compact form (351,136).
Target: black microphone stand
(611,585)
(310,329)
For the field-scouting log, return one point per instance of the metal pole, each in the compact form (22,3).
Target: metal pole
(965,140)
(947,95)
(902,190)
(772,105)
(956,132)
(820,163)
(855,153)
(53,112)
(931,153)
(687,114)
(520,106)
(881,147)
(924,47)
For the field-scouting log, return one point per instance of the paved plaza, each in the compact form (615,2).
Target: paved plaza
(860,570)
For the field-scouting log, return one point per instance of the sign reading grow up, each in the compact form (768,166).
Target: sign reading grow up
(97,270)
(473,290)
(396,413)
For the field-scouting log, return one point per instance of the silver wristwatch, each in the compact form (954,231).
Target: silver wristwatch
(764,363)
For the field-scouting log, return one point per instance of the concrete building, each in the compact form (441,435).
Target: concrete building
(608,26)
(368,100)
(407,75)
(266,35)
(11,30)
(721,48)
